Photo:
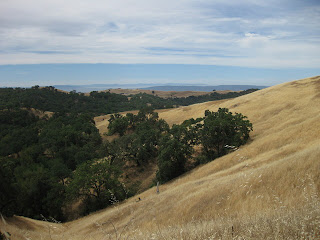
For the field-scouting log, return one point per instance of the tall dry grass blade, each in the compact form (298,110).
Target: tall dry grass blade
(3,220)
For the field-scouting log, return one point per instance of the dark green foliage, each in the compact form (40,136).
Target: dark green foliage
(8,189)
(38,156)
(36,171)
(202,159)
(146,139)
(118,124)
(50,99)
(215,133)
(33,181)
(18,130)
(141,100)
(97,103)
(173,155)
(140,144)
(176,147)
(185,101)
(223,128)
(146,116)
(45,160)
(97,183)
(72,138)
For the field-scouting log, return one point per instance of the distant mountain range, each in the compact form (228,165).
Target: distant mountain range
(202,88)
(99,87)
(205,88)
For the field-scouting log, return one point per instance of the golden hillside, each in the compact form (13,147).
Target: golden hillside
(162,94)
(268,189)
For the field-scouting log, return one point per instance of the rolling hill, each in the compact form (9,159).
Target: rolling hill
(140,87)
(205,88)
(267,189)
(162,94)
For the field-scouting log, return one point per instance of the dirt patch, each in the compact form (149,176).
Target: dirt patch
(41,114)
(186,109)
(235,105)
(21,223)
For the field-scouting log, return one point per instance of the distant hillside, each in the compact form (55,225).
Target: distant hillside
(168,87)
(162,94)
(205,88)
(99,87)
(104,102)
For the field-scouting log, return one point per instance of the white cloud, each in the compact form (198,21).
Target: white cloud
(254,41)
(150,31)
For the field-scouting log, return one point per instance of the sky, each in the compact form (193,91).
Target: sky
(49,42)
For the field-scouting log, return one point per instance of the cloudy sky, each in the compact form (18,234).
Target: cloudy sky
(139,40)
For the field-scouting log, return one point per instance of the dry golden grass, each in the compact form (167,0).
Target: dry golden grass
(268,189)
(162,94)
(41,114)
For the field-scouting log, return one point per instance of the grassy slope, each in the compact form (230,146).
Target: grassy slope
(163,94)
(269,188)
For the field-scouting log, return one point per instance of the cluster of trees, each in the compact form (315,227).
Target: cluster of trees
(185,101)
(144,136)
(47,163)
(50,99)
(214,133)
(39,157)
(139,135)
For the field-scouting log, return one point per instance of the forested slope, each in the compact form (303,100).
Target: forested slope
(97,103)
(42,154)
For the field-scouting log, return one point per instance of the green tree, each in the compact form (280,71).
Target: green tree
(173,155)
(96,182)
(8,189)
(185,133)
(118,124)
(33,183)
(72,138)
(147,114)
(141,141)
(222,128)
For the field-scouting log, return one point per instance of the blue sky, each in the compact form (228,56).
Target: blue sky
(82,74)
(150,41)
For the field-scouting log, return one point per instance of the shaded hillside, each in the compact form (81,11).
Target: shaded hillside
(268,189)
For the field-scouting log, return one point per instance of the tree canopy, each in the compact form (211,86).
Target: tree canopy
(223,128)
(214,133)
(96,103)
(96,182)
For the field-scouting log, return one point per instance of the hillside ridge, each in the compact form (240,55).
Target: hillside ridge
(167,87)
(268,188)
